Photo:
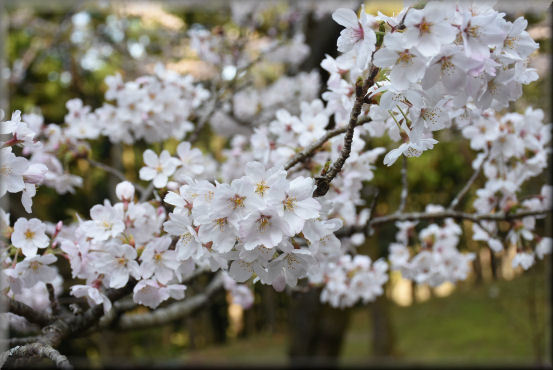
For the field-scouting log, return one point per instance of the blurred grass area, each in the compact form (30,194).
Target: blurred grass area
(487,324)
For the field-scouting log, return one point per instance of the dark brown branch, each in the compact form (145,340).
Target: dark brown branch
(36,350)
(54,304)
(21,309)
(174,311)
(361,88)
(311,149)
(66,326)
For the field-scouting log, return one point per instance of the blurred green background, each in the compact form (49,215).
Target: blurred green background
(60,51)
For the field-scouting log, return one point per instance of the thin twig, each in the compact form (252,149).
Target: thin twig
(310,150)
(404,186)
(54,304)
(146,193)
(467,186)
(115,172)
(417,216)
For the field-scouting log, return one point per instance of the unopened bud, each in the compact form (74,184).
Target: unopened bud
(125,191)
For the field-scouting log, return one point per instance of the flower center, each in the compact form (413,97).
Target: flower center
(424,26)
(261,187)
(237,201)
(405,57)
(221,222)
(29,234)
(473,31)
(264,222)
(289,203)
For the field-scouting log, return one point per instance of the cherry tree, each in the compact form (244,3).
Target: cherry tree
(284,208)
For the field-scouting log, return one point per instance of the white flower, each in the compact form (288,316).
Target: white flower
(157,168)
(158,260)
(93,296)
(299,205)
(413,148)
(358,34)
(29,235)
(293,263)
(480,32)
(429,28)
(12,170)
(399,255)
(190,161)
(406,65)
(107,221)
(264,227)
(221,232)
(33,270)
(235,201)
(544,247)
(117,263)
(525,260)
(150,293)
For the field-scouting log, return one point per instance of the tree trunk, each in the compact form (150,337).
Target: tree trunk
(382,336)
(316,331)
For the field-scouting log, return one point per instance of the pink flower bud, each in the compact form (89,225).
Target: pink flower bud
(35,173)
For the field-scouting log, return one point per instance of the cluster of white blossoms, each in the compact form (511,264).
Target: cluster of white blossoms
(513,148)
(29,157)
(436,63)
(153,108)
(438,259)
(254,216)
(350,280)
(256,107)
(257,223)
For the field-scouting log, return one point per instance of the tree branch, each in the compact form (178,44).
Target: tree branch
(36,350)
(417,216)
(404,186)
(361,88)
(175,311)
(54,304)
(21,309)
(467,186)
(115,172)
(310,150)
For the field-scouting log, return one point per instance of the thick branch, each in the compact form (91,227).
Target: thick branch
(36,350)
(65,326)
(175,311)
(21,309)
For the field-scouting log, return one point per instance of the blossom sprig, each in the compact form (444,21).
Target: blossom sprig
(439,61)
(438,260)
